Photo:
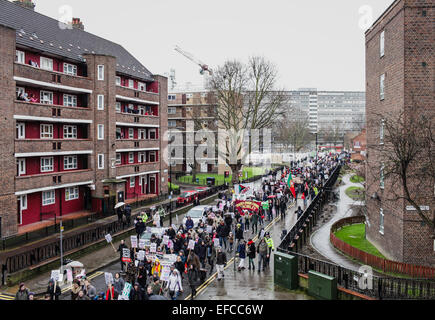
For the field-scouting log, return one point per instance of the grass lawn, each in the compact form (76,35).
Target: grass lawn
(174,186)
(356,193)
(357,179)
(355,236)
(252,171)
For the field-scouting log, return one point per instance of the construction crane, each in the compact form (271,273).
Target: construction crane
(204,67)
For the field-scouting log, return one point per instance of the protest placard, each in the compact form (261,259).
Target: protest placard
(209,229)
(133,240)
(126,290)
(141,255)
(216,242)
(108,277)
(142,243)
(165,240)
(191,244)
(170,244)
(166,270)
(153,247)
(126,255)
(69,275)
(108,238)
(55,275)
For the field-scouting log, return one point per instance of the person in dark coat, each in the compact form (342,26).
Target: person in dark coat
(251,253)
(128,214)
(193,275)
(142,276)
(136,293)
(239,233)
(140,227)
(180,266)
(119,213)
(201,251)
(52,291)
(122,246)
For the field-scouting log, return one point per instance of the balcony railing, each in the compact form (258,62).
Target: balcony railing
(39,145)
(51,111)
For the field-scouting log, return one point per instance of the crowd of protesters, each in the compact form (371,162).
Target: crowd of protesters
(224,231)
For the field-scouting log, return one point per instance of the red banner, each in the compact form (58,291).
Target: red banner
(253,206)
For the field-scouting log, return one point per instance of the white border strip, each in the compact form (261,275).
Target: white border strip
(47,119)
(137,174)
(52,85)
(20,193)
(138,149)
(46,154)
(137,100)
(126,124)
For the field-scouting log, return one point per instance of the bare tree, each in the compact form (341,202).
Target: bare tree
(407,161)
(333,133)
(246,99)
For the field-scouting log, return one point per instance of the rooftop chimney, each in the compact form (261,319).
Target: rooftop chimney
(26,4)
(76,23)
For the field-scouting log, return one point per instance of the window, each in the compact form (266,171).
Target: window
(71,193)
(357,145)
(101,132)
(381,133)
(132,182)
(20,56)
(100,102)
(70,162)
(142,157)
(131,83)
(19,90)
(381,221)
(142,134)
(21,167)
(142,86)
(152,134)
(381,179)
(70,69)
(142,110)
(203,95)
(101,161)
(69,100)
(118,133)
(118,158)
(118,107)
(48,197)
(189,95)
(21,130)
(382,86)
(100,72)
(46,64)
(153,156)
(188,108)
(118,81)
(69,132)
(23,202)
(172,123)
(46,97)
(130,157)
(171,97)
(47,164)
(382,44)
(46,131)
(131,133)
(172,110)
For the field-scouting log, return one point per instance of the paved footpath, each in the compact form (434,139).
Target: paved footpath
(320,238)
(248,284)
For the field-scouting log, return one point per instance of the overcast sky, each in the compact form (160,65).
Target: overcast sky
(314,43)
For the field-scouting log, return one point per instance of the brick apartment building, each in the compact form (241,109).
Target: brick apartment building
(189,112)
(90,132)
(400,78)
(359,146)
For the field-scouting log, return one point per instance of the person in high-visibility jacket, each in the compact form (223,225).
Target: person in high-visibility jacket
(144,217)
(270,246)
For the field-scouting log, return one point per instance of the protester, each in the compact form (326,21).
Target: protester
(22,293)
(53,290)
(221,262)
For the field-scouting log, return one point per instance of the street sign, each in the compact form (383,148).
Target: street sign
(133,240)
(108,238)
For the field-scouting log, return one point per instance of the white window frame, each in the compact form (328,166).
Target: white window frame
(119,130)
(44,94)
(20,56)
(118,107)
(172,97)
(131,157)
(189,96)
(19,90)
(155,134)
(172,123)
(141,110)
(46,134)
(48,198)
(23,202)
(382,132)
(72,193)
(100,160)
(381,221)
(382,86)
(47,166)
(100,102)
(70,69)
(382,177)
(142,158)
(100,72)
(21,167)
(118,80)
(69,132)
(132,182)
(172,110)
(142,86)
(131,83)
(382,44)
(70,163)
(46,64)
(142,134)
(21,130)
(100,132)
(69,100)
(118,159)
(155,156)
(130,133)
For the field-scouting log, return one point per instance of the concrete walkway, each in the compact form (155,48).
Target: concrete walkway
(320,238)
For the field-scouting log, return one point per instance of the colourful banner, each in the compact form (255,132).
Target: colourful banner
(247,205)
